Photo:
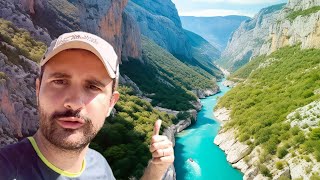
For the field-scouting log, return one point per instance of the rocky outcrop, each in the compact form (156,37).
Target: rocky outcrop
(273,28)
(12,11)
(249,38)
(228,83)
(305,117)
(234,149)
(125,80)
(222,115)
(103,18)
(302,4)
(302,29)
(170,132)
(18,113)
(206,92)
(247,160)
(159,21)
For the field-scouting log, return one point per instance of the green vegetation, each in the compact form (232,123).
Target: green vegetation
(293,15)
(279,165)
(315,177)
(281,152)
(261,104)
(21,40)
(264,170)
(167,80)
(172,67)
(125,137)
(203,54)
(145,76)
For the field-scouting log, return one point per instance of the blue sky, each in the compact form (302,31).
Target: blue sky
(207,8)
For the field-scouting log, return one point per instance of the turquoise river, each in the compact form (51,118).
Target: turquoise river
(196,142)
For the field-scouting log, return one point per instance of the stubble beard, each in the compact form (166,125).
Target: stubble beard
(60,137)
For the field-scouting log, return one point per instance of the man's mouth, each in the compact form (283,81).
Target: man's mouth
(70,122)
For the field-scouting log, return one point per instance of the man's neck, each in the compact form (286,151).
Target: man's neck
(70,161)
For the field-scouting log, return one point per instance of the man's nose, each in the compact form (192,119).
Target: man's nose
(74,100)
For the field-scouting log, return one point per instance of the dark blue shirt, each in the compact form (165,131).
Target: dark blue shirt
(24,161)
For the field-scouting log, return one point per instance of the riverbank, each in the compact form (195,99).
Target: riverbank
(248,160)
(170,133)
(196,143)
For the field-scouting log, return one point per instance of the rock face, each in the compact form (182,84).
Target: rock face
(302,4)
(125,80)
(104,18)
(247,160)
(18,114)
(170,133)
(206,92)
(12,11)
(234,149)
(222,114)
(272,29)
(303,29)
(159,21)
(305,117)
(248,39)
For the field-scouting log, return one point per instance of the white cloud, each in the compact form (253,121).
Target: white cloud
(215,12)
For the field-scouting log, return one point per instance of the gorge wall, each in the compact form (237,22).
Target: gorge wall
(272,28)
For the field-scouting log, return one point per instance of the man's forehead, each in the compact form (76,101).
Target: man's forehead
(74,59)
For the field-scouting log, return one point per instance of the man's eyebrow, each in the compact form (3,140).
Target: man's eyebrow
(95,82)
(59,75)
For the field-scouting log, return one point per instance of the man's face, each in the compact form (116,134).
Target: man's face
(75,96)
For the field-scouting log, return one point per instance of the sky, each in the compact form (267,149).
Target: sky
(208,8)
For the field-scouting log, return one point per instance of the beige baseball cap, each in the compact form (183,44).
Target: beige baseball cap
(83,40)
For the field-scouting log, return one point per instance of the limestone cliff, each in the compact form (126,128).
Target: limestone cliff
(302,4)
(247,40)
(295,25)
(247,160)
(272,28)
(159,21)
(48,19)
(18,113)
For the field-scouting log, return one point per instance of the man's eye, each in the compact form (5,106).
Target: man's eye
(94,88)
(59,82)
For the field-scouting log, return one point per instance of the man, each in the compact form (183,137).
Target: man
(76,91)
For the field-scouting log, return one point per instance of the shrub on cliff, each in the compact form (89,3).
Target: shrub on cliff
(21,40)
(165,79)
(124,138)
(275,86)
(294,14)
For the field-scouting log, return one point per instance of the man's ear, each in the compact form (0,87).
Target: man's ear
(37,88)
(114,99)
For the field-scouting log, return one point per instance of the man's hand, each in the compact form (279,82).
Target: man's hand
(161,148)
(162,154)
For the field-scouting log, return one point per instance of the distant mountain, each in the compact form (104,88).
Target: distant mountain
(159,21)
(204,54)
(247,41)
(216,30)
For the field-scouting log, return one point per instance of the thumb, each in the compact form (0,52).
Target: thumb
(156,128)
